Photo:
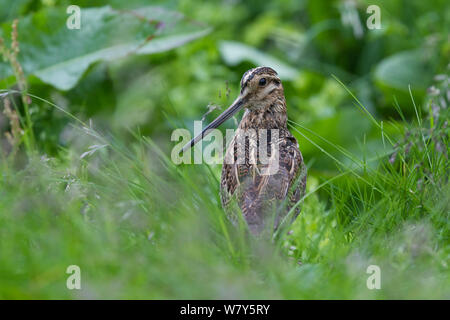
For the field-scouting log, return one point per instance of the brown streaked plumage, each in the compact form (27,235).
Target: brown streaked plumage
(264,190)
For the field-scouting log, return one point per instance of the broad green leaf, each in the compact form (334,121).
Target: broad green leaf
(403,69)
(10,9)
(234,53)
(59,56)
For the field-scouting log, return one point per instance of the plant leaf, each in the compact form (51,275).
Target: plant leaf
(234,53)
(403,69)
(59,56)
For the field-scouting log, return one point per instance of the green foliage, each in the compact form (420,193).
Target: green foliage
(235,53)
(404,68)
(45,33)
(94,185)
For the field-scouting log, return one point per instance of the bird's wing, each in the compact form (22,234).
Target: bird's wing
(258,192)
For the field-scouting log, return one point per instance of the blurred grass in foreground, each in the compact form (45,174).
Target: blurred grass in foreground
(140,227)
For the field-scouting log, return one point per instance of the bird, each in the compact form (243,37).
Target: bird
(263,186)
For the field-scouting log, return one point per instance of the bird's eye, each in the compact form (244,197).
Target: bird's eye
(262,81)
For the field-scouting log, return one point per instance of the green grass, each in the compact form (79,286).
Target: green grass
(140,227)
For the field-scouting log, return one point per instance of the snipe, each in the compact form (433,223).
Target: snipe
(266,189)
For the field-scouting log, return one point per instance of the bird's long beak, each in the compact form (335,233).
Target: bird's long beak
(227,114)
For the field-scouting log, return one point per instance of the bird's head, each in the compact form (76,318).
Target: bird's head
(260,89)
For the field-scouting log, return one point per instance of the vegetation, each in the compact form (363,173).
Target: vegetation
(85,136)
